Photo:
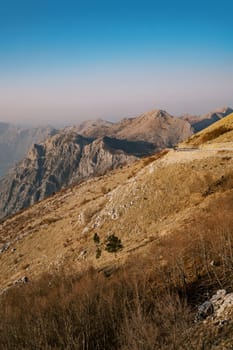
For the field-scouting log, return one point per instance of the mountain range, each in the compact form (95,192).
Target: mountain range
(15,141)
(170,214)
(79,152)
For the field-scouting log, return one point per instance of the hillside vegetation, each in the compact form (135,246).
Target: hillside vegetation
(203,121)
(172,216)
(219,133)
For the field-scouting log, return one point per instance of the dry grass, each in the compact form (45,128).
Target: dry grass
(146,304)
(160,198)
(221,131)
(173,216)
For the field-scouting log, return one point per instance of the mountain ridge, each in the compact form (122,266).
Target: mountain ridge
(219,132)
(203,121)
(63,160)
(70,157)
(15,141)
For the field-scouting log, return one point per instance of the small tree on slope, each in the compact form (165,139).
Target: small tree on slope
(113,244)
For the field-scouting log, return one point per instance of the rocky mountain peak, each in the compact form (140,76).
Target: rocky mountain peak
(76,153)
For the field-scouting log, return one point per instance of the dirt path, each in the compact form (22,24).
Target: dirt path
(189,154)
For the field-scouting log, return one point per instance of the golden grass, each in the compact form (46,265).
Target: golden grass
(173,216)
(147,304)
(219,132)
(159,198)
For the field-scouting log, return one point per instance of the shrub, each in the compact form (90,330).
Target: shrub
(96,238)
(113,244)
(98,253)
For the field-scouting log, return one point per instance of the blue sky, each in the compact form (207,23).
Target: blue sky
(70,60)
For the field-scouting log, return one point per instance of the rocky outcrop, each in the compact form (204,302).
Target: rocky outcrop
(223,305)
(218,309)
(64,159)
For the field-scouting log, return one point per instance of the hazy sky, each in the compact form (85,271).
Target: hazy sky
(70,60)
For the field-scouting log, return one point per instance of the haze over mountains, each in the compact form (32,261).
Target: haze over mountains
(67,157)
(89,149)
(15,142)
(157,127)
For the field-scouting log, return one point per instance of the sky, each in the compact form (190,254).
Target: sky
(64,61)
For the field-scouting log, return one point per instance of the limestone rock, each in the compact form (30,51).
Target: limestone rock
(64,159)
(68,158)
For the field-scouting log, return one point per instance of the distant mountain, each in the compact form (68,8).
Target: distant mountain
(16,141)
(203,121)
(94,128)
(157,127)
(68,157)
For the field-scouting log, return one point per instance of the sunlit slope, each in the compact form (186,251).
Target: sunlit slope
(165,194)
(219,132)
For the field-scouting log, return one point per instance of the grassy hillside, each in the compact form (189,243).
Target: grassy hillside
(139,203)
(173,215)
(219,132)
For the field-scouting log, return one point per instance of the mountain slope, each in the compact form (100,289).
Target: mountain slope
(220,132)
(164,194)
(173,214)
(203,121)
(63,159)
(69,157)
(157,127)
(16,141)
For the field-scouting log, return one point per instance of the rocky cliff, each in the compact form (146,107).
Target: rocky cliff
(16,141)
(63,159)
(68,157)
